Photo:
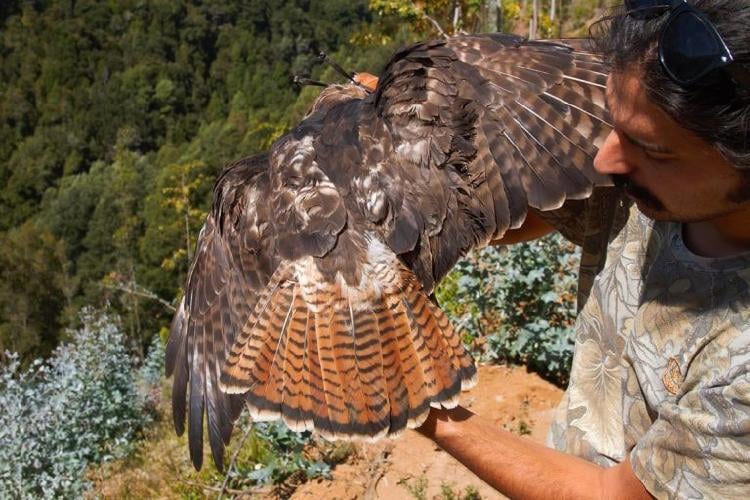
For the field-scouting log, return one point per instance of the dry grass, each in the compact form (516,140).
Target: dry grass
(159,468)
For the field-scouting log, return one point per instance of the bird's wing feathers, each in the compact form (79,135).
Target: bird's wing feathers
(229,268)
(514,122)
(308,296)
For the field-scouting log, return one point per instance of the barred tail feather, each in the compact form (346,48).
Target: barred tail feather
(325,357)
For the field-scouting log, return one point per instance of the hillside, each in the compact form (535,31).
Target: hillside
(405,467)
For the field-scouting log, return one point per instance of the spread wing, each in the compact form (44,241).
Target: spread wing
(308,298)
(232,264)
(503,123)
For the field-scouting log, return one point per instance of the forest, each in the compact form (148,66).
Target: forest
(116,117)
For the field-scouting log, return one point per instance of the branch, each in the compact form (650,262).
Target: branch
(258,489)
(134,288)
(376,470)
(435,24)
(234,459)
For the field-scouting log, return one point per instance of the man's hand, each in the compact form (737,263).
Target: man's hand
(520,468)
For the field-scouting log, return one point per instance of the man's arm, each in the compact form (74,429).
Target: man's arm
(532,228)
(520,468)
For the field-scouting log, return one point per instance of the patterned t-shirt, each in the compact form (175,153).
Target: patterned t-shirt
(661,371)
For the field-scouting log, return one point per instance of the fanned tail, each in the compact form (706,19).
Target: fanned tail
(347,361)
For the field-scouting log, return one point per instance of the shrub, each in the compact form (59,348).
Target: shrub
(149,379)
(287,455)
(80,407)
(517,303)
(275,455)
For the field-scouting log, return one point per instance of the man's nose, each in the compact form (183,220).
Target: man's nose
(611,158)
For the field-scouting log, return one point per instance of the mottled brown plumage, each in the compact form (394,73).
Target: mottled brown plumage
(308,298)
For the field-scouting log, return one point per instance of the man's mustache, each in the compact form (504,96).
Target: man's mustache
(637,192)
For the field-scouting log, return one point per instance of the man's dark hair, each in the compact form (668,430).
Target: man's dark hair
(718,112)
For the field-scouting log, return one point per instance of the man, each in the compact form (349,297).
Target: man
(659,399)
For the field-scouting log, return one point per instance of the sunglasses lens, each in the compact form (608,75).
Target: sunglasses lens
(690,48)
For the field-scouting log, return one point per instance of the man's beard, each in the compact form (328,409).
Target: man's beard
(638,193)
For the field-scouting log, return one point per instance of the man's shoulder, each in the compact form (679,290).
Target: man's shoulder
(582,220)
(591,224)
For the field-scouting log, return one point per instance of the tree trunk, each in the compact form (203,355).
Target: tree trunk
(534,21)
(186,200)
(561,18)
(494,16)
(500,18)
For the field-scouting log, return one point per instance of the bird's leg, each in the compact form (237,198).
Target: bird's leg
(302,81)
(352,77)
(323,57)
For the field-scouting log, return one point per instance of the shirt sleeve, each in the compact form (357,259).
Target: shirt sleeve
(579,220)
(591,224)
(699,445)
(569,220)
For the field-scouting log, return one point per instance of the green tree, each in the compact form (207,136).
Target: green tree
(33,288)
(174,212)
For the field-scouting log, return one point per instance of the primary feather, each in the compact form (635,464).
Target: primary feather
(308,297)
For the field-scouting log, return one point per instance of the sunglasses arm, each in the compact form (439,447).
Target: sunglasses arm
(739,74)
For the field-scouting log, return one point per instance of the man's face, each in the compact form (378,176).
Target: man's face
(671,173)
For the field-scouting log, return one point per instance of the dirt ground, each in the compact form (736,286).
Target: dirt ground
(411,466)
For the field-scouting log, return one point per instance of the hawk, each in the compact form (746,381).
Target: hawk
(308,298)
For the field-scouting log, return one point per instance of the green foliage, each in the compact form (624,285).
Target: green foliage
(417,487)
(430,18)
(448,492)
(521,299)
(271,454)
(581,12)
(284,455)
(436,17)
(174,213)
(115,119)
(148,379)
(80,407)
(33,294)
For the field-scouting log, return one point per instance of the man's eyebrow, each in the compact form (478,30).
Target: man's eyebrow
(655,148)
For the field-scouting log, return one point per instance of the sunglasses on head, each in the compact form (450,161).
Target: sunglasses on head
(690,47)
